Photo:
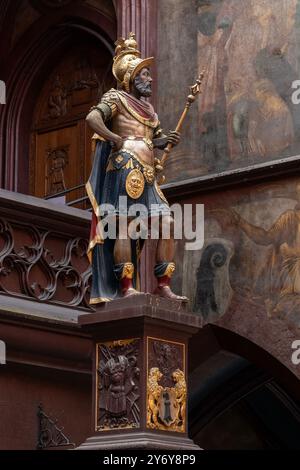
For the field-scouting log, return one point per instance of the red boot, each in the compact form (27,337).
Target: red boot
(163,273)
(125,275)
(127,288)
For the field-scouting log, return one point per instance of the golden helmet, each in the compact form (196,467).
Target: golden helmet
(127,62)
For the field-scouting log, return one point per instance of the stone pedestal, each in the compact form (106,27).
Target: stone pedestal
(140,374)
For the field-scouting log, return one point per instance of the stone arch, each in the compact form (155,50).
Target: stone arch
(25,70)
(227,371)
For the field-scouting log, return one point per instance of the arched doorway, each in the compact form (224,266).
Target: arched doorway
(54,72)
(60,139)
(241,397)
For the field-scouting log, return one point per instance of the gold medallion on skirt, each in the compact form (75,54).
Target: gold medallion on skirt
(135,184)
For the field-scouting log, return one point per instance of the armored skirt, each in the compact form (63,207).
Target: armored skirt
(111,178)
(130,188)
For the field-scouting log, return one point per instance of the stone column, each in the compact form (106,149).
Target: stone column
(140,17)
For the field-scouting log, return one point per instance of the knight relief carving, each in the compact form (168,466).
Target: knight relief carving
(57,159)
(118,385)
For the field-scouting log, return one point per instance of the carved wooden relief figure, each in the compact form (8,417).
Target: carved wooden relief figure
(61,140)
(118,394)
(57,160)
(57,104)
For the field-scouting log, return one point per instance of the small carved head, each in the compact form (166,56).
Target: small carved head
(178,376)
(155,373)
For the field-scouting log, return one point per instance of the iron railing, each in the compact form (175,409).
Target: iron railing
(79,200)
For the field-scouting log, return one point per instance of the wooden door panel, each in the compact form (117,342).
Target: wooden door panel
(61,141)
(56,161)
(88,150)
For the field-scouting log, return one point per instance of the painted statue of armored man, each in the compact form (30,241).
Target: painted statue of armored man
(126,131)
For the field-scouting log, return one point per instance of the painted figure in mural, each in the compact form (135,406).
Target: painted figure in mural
(214,29)
(278,280)
(124,165)
(249,49)
(260,123)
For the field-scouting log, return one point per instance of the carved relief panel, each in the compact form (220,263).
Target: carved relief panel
(61,141)
(57,161)
(44,265)
(118,385)
(166,385)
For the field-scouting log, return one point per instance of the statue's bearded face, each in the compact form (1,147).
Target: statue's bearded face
(143,82)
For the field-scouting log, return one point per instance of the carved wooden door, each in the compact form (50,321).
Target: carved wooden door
(60,139)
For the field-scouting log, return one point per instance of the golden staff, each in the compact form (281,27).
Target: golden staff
(195,90)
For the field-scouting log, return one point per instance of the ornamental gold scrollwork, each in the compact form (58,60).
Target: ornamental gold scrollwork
(149,175)
(166,406)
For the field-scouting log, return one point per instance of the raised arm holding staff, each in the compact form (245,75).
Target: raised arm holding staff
(124,166)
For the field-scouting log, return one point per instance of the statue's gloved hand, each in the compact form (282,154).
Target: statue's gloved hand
(173,138)
(161,142)
(117,143)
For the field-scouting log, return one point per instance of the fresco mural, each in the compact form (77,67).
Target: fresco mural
(251,253)
(250,52)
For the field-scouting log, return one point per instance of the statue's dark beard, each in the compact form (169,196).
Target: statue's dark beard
(143,88)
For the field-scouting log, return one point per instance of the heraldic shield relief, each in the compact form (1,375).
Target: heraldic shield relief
(166,387)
